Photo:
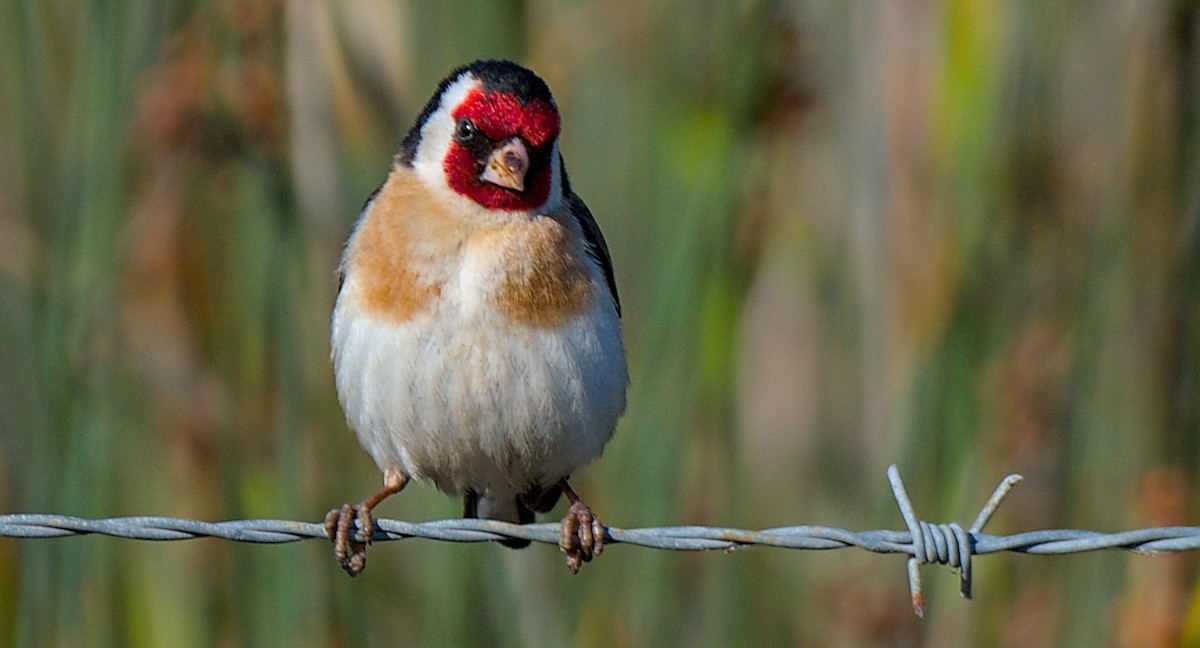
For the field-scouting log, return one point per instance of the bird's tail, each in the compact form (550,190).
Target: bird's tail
(519,509)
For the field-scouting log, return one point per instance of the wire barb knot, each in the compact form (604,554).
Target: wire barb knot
(942,544)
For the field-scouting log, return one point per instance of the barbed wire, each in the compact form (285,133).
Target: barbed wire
(924,543)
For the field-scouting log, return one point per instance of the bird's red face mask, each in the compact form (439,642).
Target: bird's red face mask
(500,153)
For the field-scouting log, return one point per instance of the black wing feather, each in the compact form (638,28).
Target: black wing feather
(596,247)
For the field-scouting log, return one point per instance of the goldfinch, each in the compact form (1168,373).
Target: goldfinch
(476,338)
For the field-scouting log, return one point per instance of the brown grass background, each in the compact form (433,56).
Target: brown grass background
(960,235)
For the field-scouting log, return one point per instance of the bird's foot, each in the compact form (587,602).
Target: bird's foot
(581,535)
(349,546)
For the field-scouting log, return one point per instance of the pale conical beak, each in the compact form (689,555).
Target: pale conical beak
(507,165)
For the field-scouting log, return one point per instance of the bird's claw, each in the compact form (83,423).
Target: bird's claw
(349,545)
(581,536)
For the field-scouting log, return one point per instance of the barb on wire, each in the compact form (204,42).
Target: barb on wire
(946,544)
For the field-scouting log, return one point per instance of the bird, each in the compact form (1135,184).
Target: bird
(476,337)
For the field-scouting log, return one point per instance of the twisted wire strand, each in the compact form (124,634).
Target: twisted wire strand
(924,542)
(679,538)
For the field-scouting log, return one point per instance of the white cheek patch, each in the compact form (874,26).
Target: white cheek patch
(438,131)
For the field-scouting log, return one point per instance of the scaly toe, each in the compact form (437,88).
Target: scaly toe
(581,536)
(349,551)
(331,523)
(366,525)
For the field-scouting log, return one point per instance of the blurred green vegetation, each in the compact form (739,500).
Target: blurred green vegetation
(959,235)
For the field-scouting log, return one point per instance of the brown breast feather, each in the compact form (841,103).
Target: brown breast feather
(389,250)
(546,280)
(402,247)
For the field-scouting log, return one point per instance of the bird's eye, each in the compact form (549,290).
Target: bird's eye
(465,130)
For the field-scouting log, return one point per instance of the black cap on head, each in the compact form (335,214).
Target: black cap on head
(496,76)
(509,78)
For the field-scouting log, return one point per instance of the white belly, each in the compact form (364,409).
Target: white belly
(468,399)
